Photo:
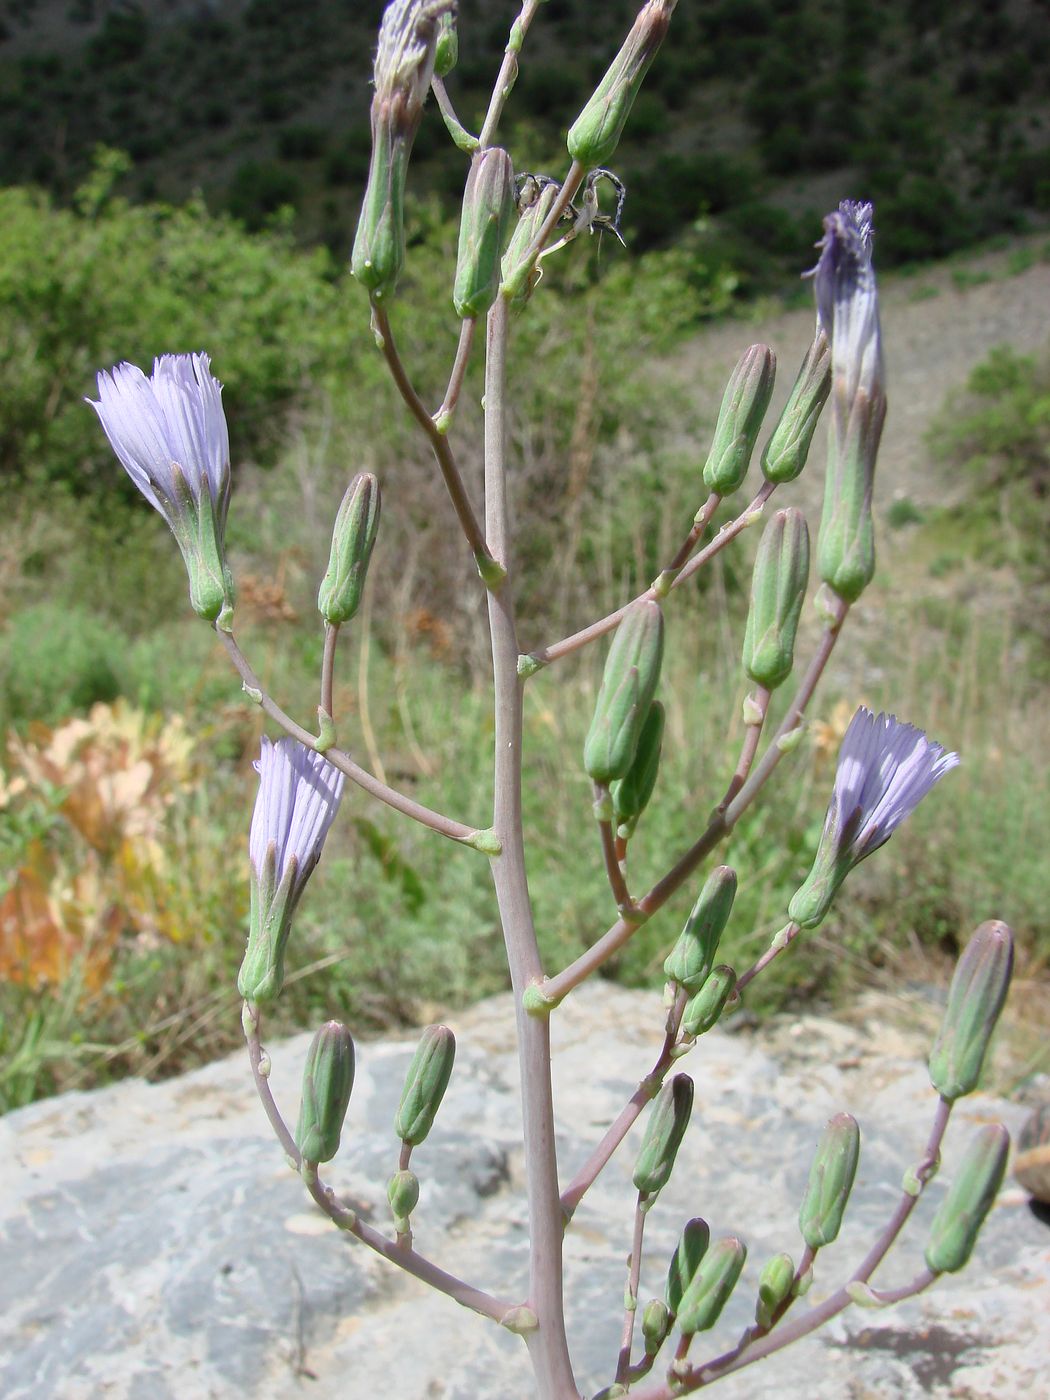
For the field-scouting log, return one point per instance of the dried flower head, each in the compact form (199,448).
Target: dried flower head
(404,63)
(885,769)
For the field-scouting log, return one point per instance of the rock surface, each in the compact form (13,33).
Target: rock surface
(155,1244)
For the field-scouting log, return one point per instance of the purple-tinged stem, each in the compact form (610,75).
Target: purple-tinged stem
(614,873)
(443,825)
(700,524)
(443,417)
(438,441)
(331,637)
(417,1264)
(800,1327)
(749,748)
(547,1343)
(885,1297)
(656,590)
(718,828)
(783,939)
(634,1271)
(508,72)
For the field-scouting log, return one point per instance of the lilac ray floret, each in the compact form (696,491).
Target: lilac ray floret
(847,299)
(172,420)
(884,771)
(299,794)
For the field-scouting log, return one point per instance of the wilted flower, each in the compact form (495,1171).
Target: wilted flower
(170,434)
(848,311)
(299,793)
(885,769)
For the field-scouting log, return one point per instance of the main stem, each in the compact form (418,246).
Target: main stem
(547,1343)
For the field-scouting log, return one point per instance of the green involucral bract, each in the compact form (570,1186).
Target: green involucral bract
(425,1084)
(740,417)
(975,999)
(778,589)
(328,1079)
(353,539)
(632,670)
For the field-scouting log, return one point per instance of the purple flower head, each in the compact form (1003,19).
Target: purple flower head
(298,797)
(847,301)
(299,793)
(884,771)
(169,433)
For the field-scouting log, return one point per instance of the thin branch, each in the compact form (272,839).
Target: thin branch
(665,583)
(444,826)
(749,748)
(459,133)
(613,872)
(443,417)
(630,1308)
(784,939)
(331,637)
(508,72)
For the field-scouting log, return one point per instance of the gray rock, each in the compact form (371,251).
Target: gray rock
(155,1244)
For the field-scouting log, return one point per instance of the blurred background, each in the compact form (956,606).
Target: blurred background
(186,175)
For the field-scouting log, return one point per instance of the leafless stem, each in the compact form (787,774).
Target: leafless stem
(752,734)
(457,130)
(443,417)
(331,637)
(443,825)
(615,875)
(784,939)
(508,72)
(634,1270)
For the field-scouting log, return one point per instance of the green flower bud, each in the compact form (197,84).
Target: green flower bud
(788,447)
(774,1286)
(596,132)
(704,1010)
(744,405)
(379,244)
(778,587)
(488,202)
(968,1200)
(692,957)
(631,793)
(668,1120)
(403,1194)
(328,1078)
(686,1260)
(846,539)
(656,1323)
(353,537)
(632,670)
(975,999)
(446,53)
(830,1181)
(519,274)
(425,1084)
(712,1284)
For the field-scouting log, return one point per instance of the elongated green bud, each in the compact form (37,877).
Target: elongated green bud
(631,793)
(520,275)
(632,670)
(668,1120)
(328,1078)
(379,244)
(656,1323)
(488,202)
(778,588)
(744,405)
(712,1284)
(686,1260)
(704,1010)
(830,1181)
(786,451)
(975,999)
(969,1199)
(774,1286)
(353,538)
(446,53)
(425,1084)
(596,132)
(403,1194)
(692,957)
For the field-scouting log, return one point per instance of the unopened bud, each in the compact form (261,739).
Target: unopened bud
(353,538)
(788,447)
(668,1120)
(975,999)
(744,405)
(692,957)
(403,1194)
(379,244)
(704,1010)
(488,202)
(712,1284)
(632,670)
(686,1260)
(656,1323)
(520,274)
(328,1078)
(631,793)
(596,132)
(425,1084)
(830,1181)
(778,588)
(969,1199)
(446,52)
(774,1287)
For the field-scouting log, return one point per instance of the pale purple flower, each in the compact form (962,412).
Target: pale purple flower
(847,301)
(169,433)
(298,797)
(885,769)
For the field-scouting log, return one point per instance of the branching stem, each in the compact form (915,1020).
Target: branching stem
(508,72)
